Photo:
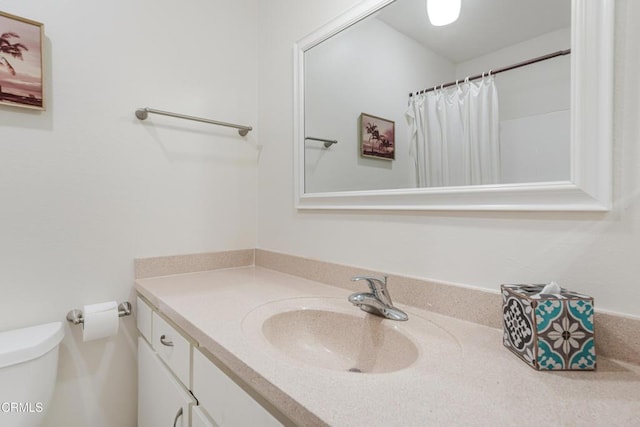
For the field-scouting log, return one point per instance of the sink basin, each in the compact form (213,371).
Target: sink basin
(338,341)
(330,333)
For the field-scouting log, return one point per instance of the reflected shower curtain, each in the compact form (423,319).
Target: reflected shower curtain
(454,135)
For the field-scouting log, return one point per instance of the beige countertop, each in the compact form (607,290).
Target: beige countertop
(463,375)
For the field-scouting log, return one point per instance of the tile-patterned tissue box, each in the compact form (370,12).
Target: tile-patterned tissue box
(549,331)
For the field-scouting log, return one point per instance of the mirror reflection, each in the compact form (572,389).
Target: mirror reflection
(394,102)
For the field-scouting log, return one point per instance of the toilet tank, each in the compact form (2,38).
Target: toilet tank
(28,369)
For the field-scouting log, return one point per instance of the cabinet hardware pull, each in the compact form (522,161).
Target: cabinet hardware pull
(164,341)
(178,415)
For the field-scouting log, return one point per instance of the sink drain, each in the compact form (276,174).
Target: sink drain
(355,370)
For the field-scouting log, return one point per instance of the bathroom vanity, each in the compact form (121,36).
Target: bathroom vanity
(252,346)
(179,386)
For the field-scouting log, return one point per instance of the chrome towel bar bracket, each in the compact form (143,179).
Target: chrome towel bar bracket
(327,142)
(143,113)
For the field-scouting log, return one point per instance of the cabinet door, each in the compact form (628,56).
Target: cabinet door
(162,401)
(224,400)
(199,419)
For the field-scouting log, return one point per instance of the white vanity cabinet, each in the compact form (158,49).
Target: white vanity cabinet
(164,365)
(169,366)
(200,419)
(224,400)
(162,400)
(144,317)
(172,348)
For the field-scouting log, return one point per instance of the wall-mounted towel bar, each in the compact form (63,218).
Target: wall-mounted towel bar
(327,142)
(76,316)
(143,113)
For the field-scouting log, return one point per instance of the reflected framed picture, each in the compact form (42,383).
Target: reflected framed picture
(21,68)
(377,137)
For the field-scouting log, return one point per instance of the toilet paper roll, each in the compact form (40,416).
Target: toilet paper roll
(100,321)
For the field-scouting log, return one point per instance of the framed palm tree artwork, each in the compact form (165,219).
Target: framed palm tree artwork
(377,137)
(21,70)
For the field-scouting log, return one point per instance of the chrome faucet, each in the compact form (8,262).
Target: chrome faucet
(378,301)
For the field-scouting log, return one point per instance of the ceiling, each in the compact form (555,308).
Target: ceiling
(484,26)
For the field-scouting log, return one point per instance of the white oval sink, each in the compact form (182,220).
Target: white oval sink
(338,341)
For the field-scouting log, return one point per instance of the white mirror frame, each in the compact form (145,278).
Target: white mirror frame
(590,186)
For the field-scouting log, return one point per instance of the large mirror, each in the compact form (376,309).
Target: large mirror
(506,108)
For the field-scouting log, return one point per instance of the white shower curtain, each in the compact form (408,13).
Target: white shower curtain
(454,135)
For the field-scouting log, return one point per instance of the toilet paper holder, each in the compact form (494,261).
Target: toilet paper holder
(76,316)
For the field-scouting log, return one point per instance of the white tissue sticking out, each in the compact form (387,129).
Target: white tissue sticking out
(551,288)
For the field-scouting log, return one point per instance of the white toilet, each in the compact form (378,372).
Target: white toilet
(28,368)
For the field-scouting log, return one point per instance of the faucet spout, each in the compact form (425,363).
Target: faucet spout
(378,301)
(378,286)
(367,300)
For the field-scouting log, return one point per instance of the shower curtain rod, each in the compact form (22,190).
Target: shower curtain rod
(499,70)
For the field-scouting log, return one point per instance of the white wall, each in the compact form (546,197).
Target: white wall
(85,187)
(534,108)
(592,253)
(368,68)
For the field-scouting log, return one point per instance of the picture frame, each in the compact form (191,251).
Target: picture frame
(21,62)
(377,137)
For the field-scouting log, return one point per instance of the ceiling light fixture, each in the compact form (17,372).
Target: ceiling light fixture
(443,12)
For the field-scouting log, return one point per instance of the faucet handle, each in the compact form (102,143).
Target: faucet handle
(378,286)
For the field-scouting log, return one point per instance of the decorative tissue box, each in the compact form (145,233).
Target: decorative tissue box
(549,331)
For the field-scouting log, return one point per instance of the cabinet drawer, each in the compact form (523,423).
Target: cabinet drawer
(143,318)
(172,347)
(224,400)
